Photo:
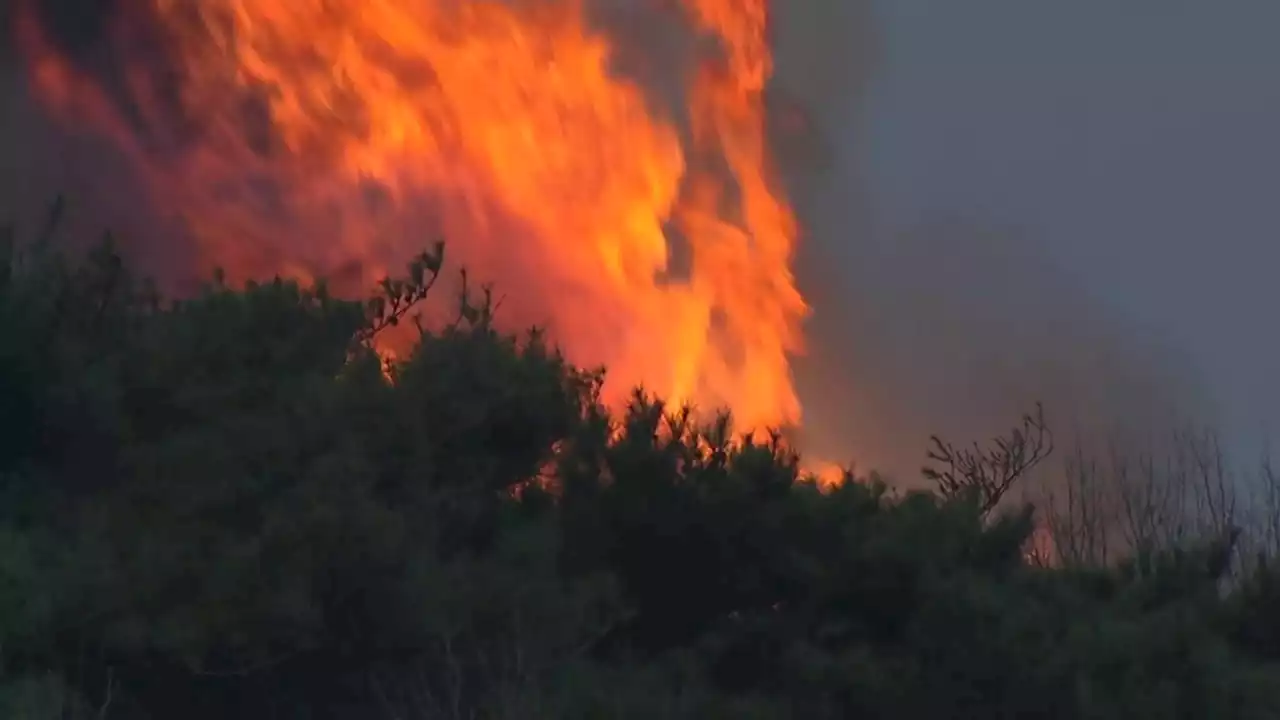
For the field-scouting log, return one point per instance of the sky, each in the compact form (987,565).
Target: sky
(1131,145)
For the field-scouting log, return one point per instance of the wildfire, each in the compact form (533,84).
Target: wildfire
(321,136)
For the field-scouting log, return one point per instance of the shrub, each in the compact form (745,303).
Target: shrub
(229,506)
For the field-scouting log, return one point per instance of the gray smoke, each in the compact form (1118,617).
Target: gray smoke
(955,325)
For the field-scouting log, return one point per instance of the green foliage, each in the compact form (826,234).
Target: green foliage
(230,506)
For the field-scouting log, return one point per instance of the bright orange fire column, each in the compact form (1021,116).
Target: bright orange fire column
(309,136)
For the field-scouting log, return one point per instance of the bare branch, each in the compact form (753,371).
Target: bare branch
(990,472)
(110,692)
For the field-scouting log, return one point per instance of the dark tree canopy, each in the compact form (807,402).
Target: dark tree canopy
(228,507)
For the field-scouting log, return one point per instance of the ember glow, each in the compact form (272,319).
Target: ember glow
(342,136)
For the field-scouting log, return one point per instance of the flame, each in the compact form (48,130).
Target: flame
(828,474)
(326,136)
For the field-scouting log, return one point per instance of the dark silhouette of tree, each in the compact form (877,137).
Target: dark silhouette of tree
(230,506)
(988,472)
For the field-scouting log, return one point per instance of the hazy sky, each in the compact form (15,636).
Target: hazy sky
(1135,141)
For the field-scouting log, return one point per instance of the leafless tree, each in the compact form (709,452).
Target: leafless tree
(1078,520)
(1135,498)
(991,471)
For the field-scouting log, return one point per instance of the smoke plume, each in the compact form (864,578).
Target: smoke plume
(954,325)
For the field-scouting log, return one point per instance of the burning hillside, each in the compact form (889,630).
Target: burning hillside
(619,192)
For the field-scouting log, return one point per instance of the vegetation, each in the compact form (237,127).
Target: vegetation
(230,507)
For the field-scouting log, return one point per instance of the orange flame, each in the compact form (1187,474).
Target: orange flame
(308,136)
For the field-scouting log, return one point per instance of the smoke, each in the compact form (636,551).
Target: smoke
(42,160)
(954,326)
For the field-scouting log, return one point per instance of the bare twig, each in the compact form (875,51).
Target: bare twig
(110,692)
(990,472)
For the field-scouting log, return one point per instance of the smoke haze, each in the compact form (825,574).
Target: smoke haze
(952,325)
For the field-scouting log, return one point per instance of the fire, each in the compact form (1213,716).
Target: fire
(327,136)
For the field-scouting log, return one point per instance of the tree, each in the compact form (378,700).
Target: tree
(231,506)
(989,473)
